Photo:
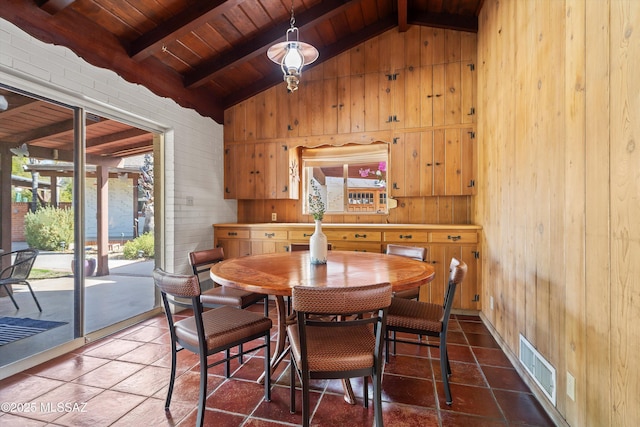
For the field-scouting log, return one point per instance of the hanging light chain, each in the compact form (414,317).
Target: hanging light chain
(293,19)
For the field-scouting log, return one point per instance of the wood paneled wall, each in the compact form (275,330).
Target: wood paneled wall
(559,194)
(348,99)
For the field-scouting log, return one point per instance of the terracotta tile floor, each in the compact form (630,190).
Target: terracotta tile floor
(122,381)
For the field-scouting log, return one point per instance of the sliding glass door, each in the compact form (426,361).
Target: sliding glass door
(75,187)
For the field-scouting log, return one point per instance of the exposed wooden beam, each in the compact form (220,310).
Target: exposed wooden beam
(444,20)
(102,49)
(193,17)
(328,52)
(258,45)
(403,25)
(54,6)
(48,131)
(119,137)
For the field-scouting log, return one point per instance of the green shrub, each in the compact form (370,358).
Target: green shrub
(140,247)
(47,227)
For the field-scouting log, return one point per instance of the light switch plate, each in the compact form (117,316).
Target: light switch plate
(571,386)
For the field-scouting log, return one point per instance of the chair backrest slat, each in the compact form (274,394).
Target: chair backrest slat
(22,264)
(181,286)
(413,252)
(341,300)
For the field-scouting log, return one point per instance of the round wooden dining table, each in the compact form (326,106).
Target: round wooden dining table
(277,273)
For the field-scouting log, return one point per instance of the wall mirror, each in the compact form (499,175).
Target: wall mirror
(351,179)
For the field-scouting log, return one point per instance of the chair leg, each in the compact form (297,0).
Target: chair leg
(227,363)
(266,306)
(203,390)
(267,368)
(306,413)
(365,391)
(33,295)
(241,352)
(444,368)
(386,347)
(377,399)
(173,375)
(292,387)
(11,296)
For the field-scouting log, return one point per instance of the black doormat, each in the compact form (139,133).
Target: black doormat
(15,328)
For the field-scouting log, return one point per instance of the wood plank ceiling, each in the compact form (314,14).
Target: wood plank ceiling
(206,55)
(210,55)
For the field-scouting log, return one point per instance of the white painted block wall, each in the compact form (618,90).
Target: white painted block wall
(193,144)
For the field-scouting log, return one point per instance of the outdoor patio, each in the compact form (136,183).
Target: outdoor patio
(127,291)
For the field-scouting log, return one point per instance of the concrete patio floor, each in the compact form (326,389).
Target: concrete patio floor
(127,291)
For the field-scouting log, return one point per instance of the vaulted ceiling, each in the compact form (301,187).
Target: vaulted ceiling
(210,55)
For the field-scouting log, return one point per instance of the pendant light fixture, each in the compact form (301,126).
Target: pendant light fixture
(292,55)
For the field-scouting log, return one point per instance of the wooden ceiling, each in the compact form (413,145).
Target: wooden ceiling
(48,130)
(210,55)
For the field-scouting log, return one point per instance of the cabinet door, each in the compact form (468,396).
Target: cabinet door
(453,166)
(391,100)
(468,291)
(432,163)
(405,165)
(230,171)
(287,172)
(467,295)
(433,292)
(469,162)
(432,89)
(234,248)
(245,171)
(452,94)
(259,163)
(270,174)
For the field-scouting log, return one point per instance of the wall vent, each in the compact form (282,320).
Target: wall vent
(538,368)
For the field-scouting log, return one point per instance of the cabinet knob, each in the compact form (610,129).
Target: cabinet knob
(454,238)
(408,236)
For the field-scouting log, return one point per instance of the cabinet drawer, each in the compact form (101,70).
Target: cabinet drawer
(269,234)
(303,235)
(406,236)
(453,237)
(232,234)
(356,246)
(335,236)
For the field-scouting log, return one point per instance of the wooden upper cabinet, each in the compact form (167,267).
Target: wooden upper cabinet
(416,90)
(432,163)
(432,95)
(391,89)
(288,172)
(405,170)
(261,170)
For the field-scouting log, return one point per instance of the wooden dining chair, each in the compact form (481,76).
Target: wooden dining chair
(423,318)
(209,332)
(346,347)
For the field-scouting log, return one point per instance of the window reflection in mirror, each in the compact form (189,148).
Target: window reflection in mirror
(351,179)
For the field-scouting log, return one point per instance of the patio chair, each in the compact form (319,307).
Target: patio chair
(17,273)
(347,347)
(422,318)
(209,332)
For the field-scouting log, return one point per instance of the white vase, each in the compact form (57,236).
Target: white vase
(318,245)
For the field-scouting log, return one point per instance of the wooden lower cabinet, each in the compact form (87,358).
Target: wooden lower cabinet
(441,244)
